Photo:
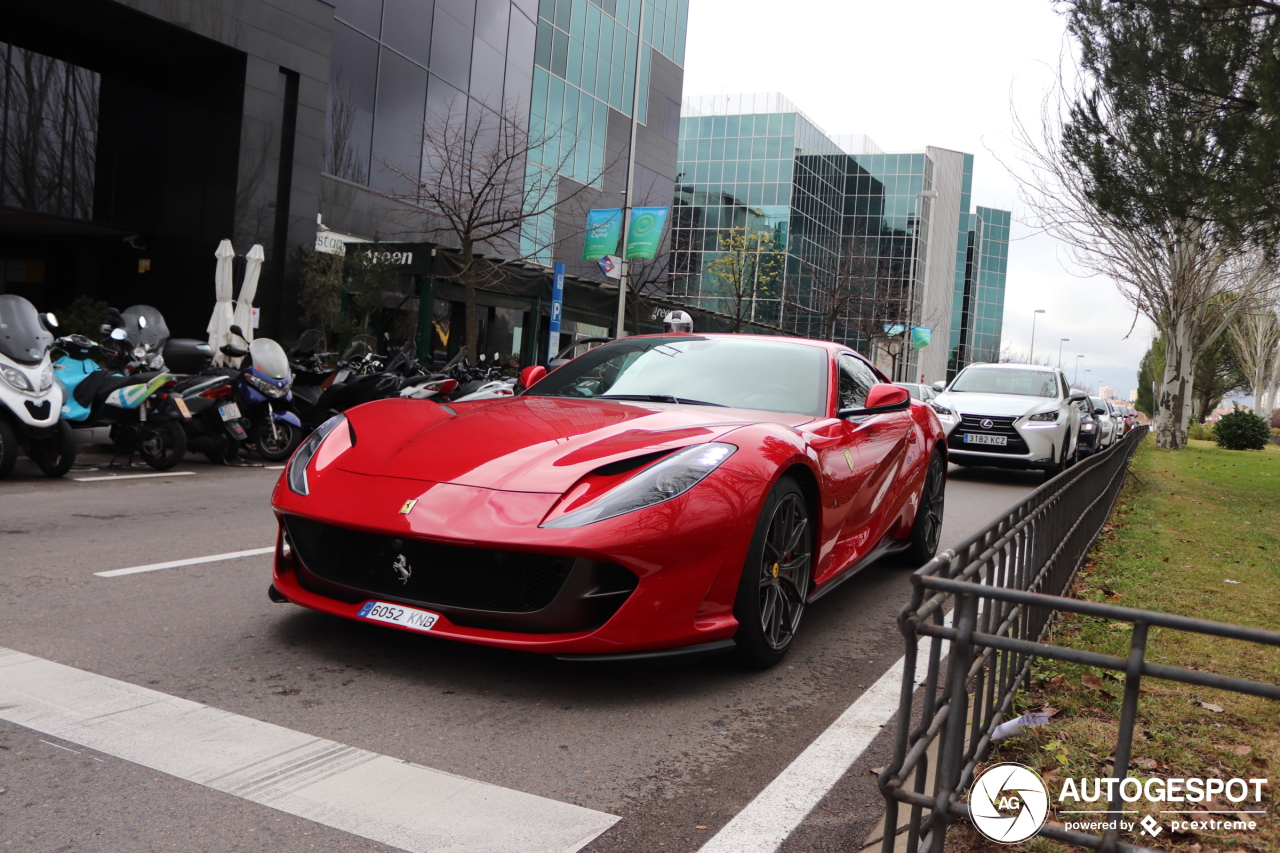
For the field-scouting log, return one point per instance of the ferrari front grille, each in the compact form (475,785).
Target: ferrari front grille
(429,572)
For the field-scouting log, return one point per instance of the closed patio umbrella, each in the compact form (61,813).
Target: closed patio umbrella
(223,315)
(248,291)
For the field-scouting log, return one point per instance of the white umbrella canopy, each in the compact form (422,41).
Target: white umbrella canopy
(249,290)
(220,324)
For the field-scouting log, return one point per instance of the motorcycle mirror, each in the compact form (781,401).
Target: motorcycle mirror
(481,357)
(142,322)
(496,356)
(119,334)
(105,328)
(50,320)
(235,330)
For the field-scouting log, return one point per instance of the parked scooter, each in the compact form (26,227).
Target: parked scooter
(264,390)
(132,402)
(203,400)
(30,400)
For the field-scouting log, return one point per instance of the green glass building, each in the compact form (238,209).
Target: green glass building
(866,244)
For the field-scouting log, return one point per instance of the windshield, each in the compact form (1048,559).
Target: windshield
(153,335)
(309,343)
(773,376)
(269,359)
(23,337)
(360,346)
(997,380)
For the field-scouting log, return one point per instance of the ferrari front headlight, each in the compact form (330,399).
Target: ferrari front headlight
(323,452)
(667,479)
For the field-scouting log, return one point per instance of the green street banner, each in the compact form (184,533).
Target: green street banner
(921,337)
(645,231)
(604,227)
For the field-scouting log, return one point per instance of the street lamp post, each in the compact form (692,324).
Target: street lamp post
(1032,357)
(1060,343)
(1076,377)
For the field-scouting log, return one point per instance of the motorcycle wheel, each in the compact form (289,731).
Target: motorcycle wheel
(277,445)
(163,444)
(8,447)
(226,450)
(56,454)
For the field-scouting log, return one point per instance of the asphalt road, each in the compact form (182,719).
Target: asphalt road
(667,749)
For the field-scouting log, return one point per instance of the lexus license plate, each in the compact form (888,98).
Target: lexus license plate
(229,412)
(999,440)
(398,614)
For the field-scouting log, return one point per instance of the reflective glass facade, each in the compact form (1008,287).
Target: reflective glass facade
(856,226)
(978,314)
(395,62)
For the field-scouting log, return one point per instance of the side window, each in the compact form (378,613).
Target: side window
(856,380)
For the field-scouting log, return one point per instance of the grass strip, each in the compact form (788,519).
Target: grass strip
(1197,533)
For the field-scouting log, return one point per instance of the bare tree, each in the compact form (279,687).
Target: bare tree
(1255,340)
(1174,270)
(852,289)
(489,185)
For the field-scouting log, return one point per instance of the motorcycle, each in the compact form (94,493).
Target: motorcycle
(30,399)
(264,388)
(131,401)
(202,399)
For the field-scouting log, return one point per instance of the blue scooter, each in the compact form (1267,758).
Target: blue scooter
(264,389)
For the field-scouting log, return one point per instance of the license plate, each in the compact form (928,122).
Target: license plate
(229,412)
(398,614)
(1000,440)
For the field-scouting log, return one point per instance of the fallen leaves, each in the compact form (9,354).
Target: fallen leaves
(1242,750)
(1210,706)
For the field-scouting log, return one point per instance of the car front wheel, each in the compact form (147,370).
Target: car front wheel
(775,578)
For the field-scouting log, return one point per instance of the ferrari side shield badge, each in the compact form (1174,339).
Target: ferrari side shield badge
(408,505)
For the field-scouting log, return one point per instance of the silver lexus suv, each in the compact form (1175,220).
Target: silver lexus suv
(1010,416)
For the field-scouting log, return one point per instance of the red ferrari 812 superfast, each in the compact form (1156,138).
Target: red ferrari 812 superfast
(658,495)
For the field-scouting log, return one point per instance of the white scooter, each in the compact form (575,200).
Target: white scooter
(30,401)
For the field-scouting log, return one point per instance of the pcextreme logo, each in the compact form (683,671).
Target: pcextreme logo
(1009,803)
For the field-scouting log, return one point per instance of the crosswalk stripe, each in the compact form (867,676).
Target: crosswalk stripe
(364,793)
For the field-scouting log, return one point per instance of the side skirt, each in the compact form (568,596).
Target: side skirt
(884,549)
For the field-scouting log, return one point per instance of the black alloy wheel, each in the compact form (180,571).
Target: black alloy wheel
(8,447)
(163,444)
(926,530)
(55,454)
(276,440)
(775,578)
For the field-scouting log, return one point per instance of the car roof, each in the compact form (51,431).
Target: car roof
(788,339)
(989,365)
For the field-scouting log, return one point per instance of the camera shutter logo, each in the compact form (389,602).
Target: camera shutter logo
(1008,803)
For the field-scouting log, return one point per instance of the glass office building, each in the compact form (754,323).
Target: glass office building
(978,307)
(873,243)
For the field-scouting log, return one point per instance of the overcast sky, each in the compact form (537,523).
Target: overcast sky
(932,72)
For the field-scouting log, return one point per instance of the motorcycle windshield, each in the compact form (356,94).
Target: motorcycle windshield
(268,358)
(360,346)
(153,334)
(23,337)
(309,342)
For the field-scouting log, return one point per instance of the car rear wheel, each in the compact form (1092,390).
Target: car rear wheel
(775,578)
(926,530)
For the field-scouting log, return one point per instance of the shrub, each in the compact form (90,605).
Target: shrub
(1242,430)
(1201,432)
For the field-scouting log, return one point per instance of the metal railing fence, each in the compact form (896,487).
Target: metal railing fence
(992,600)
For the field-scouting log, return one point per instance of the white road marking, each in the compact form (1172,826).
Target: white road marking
(173,564)
(373,796)
(132,476)
(776,811)
(272,467)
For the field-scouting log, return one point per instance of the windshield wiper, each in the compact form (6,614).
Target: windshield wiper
(658,398)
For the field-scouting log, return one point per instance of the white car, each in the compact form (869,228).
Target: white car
(1010,416)
(1107,432)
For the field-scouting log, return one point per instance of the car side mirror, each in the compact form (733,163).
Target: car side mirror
(939,386)
(881,398)
(531,375)
(1099,411)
